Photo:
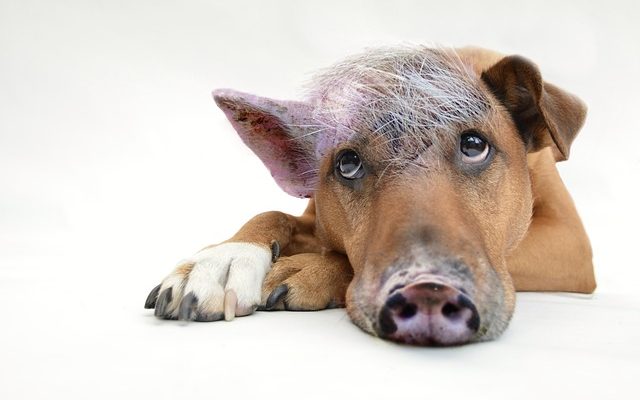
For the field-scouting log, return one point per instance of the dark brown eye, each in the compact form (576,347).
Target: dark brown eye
(473,147)
(349,165)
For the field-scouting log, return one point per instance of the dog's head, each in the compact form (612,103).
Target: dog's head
(417,161)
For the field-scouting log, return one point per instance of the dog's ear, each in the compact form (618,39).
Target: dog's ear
(544,114)
(280,133)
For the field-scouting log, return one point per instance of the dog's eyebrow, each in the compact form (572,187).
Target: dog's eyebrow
(393,133)
(391,130)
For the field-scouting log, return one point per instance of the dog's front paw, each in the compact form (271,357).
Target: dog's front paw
(219,281)
(307,282)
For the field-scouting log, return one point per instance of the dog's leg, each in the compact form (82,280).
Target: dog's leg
(555,254)
(552,257)
(225,280)
(307,282)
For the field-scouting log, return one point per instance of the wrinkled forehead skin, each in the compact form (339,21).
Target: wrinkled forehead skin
(409,98)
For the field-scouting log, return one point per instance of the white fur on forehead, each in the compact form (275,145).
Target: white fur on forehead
(408,96)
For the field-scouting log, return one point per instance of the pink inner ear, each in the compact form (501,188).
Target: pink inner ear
(276,132)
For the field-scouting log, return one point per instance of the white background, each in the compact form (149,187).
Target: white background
(115,163)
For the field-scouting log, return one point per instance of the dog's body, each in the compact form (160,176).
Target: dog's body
(433,195)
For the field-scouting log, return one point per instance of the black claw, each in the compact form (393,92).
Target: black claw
(275,250)
(187,307)
(152,297)
(163,301)
(275,296)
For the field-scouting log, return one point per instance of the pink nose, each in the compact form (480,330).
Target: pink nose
(429,313)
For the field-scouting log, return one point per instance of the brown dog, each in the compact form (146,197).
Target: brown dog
(434,196)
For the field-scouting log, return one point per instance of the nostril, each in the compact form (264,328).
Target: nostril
(396,301)
(450,310)
(474,322)
(408,311)
(386,323)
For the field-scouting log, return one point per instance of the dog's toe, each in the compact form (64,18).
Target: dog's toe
(164,299)
(188,305)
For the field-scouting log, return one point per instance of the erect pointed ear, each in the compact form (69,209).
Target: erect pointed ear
(280,133)
(544,114)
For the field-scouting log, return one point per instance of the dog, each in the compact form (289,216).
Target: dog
(433,197)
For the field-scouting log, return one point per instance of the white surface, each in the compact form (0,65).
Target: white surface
(115,164)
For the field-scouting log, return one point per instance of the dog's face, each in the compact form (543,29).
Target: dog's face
(446,217)
(417,161)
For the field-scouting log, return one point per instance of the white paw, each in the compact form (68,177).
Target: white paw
(220,281)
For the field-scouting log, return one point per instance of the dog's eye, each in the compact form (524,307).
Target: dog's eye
(474,148)
(349,165)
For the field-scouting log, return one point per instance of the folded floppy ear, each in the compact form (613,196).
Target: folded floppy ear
(280,133)
(544,114)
